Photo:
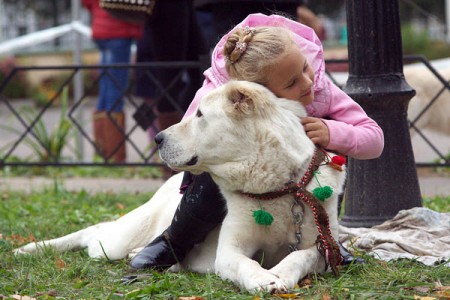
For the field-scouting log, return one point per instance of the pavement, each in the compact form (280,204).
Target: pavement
(431,184)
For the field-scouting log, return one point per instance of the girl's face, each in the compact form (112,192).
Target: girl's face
(292,77)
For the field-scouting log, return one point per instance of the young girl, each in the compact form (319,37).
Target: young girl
(287,58)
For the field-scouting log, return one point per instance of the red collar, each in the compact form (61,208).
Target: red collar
(291,187)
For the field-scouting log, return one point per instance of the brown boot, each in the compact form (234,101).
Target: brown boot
(109,135)
(98,120)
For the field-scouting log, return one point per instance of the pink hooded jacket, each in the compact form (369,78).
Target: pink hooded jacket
(352,132)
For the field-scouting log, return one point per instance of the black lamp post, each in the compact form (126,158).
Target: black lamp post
(378,189)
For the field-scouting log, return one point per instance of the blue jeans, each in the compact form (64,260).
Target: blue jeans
(114,81)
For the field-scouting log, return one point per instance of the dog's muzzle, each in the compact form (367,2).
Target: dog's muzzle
(159,139)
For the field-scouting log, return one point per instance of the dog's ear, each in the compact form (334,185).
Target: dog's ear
(241,101)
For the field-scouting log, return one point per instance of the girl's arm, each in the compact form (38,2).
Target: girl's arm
(352,132)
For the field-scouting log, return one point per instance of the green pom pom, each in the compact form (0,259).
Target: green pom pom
(323,193)
(262,217)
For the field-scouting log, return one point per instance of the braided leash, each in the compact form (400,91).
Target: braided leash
(326,245)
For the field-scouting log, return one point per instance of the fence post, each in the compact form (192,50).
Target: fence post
(378,189)
(78,89)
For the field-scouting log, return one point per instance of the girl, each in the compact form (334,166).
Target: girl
(286,57)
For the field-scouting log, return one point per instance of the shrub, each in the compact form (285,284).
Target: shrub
(419,42)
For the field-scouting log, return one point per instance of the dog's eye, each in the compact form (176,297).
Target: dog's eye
(199,113)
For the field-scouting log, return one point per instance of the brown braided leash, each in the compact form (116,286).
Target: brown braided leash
(326,245)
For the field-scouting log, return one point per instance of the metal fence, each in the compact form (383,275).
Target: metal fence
(53,126)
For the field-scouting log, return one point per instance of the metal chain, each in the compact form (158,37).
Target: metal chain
(297,210)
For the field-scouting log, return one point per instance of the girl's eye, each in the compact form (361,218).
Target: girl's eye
(305,68)
(291,84)
(199,113)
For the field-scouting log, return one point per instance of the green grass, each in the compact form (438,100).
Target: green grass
(84,171)
(73,275)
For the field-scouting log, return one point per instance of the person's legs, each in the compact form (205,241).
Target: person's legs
(119,52)
(102,45)
(170,41)
(175,42)
(200,210)
(196,47)
(109,119)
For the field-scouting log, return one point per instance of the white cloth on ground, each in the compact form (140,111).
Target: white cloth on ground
(418,233)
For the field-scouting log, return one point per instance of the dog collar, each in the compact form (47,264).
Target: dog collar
(326,245)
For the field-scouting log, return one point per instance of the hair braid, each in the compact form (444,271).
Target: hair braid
(248,51)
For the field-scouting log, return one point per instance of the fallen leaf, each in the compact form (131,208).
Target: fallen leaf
(421,289)
(17,239)
(59,263)
(52,293)
(287,296)
(20,297)
(326,297)
(424,298)
(305,283)
(443,292)
(120,206)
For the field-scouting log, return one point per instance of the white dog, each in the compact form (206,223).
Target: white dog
(427,86)
(251,143)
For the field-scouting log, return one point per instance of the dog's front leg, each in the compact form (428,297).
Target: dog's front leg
(298,264)
(233,263)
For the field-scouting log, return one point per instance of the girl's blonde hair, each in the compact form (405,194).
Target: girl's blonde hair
(250,51)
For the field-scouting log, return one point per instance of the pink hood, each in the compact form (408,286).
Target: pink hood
(304,37)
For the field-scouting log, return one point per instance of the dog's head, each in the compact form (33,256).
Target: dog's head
(240,129)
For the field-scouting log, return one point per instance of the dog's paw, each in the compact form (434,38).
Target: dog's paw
(27,249)
(266,281)
(20,251)
(288,280)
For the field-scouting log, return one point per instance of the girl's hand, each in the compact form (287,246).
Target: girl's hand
(316,130)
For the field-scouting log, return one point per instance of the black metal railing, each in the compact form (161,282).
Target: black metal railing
(31,127)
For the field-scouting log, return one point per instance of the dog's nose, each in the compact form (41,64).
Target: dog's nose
(159,138)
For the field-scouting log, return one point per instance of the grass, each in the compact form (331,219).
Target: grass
(84,171)
(73,275)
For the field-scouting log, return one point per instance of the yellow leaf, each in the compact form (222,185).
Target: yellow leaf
(20,297)
(287,296)
(424,298)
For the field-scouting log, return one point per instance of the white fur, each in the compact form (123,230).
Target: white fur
(427,86)
(249,141)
